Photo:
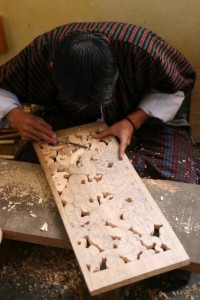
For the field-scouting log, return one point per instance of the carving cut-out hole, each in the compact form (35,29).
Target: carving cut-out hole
(121,217)
(91,200)
(88,244)
(128,200)
(165,247)
(103,264)
(105,194)
(125,259)
(116,238)
(88,266)
(64,202)
(110,164)
(82,181)
(85,213)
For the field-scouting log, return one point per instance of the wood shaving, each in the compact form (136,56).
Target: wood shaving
(33,215)
(163,185)
(44,227)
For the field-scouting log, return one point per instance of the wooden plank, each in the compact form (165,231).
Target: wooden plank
(195,109)
(109,215)
(24,192)
(3,41)
(180,204)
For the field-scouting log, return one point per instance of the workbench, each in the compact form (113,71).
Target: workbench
(27,204)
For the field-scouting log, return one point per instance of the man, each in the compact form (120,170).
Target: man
(122,73)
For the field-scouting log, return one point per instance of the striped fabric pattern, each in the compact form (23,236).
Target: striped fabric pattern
(145,61)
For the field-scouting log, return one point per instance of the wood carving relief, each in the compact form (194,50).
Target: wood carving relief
(111,218)
(116,229)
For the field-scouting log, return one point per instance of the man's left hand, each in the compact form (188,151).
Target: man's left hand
(123,130)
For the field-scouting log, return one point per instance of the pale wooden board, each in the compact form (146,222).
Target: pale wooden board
(25,191)
(132,271)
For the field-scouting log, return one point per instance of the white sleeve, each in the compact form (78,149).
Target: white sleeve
(161,105)
(8,101)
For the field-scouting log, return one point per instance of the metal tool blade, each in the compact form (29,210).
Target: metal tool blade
(61,140)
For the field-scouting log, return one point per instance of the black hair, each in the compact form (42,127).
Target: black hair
(84,70)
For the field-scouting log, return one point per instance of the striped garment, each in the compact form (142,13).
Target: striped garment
(145,61)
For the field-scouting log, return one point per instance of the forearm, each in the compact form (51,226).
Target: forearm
(8,102)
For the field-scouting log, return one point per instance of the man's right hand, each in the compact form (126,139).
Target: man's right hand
(30,127)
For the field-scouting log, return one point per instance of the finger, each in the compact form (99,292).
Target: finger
(30,137)
(36,134)
(102,134)
(122,148)
(45,128)
(38,124)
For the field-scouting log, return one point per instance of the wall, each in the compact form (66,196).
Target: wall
(177,21)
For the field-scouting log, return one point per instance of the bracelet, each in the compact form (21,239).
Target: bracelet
(130,121)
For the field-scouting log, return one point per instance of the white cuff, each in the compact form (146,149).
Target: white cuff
(161,105)
(8,101)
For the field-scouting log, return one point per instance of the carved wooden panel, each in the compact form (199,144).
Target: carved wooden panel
(116,229)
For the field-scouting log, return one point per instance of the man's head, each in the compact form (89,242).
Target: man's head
(84,70)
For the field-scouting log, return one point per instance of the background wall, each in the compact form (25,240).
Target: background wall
(177,21)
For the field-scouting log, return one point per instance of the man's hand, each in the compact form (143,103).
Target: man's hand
(30,127)
(123,130)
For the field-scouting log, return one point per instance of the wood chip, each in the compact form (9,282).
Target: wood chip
(44,227)
(33,215)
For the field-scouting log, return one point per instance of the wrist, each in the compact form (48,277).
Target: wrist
(137,118)
(13,113)
(131,122)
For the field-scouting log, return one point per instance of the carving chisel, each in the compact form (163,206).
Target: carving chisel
(70,143)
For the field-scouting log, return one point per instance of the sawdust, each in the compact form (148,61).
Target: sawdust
(38,272)
(23,186)
(163,185)
(28,178)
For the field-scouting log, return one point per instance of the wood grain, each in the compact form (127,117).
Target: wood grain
(3,41)
(116,182)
